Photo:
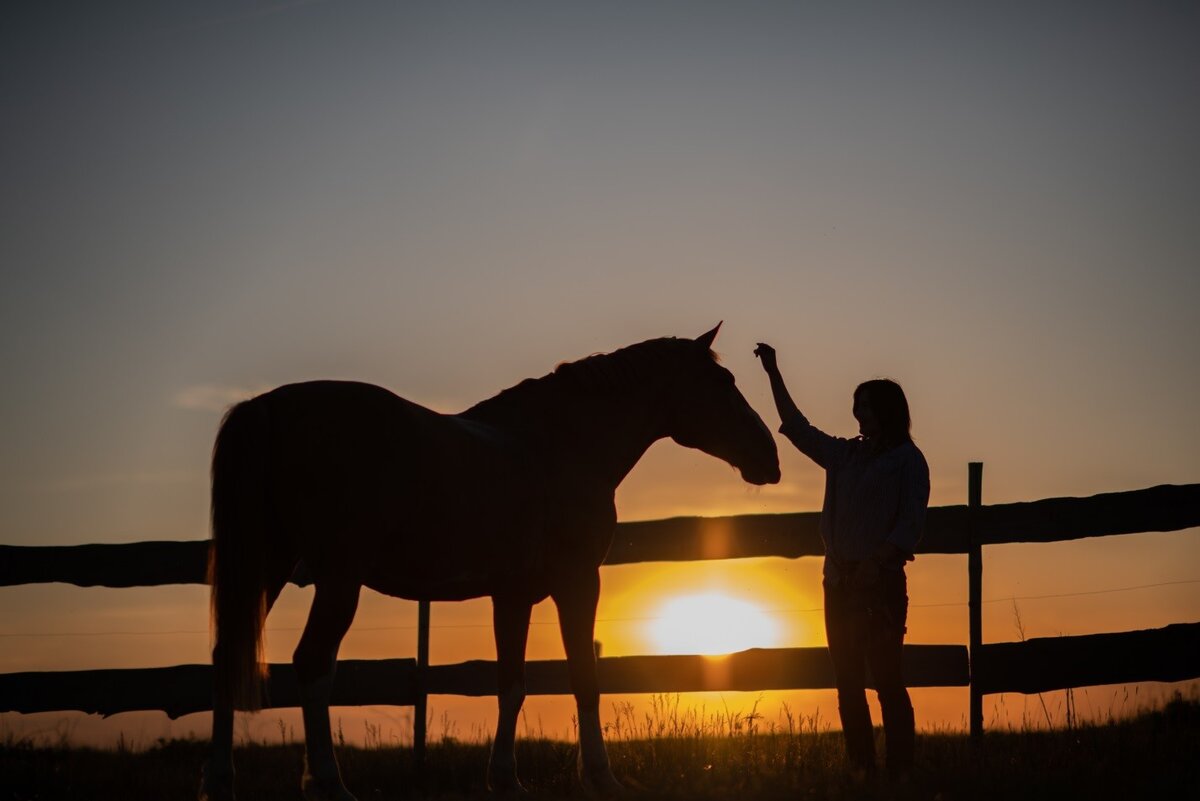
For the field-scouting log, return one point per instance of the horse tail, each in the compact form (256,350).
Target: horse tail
(238,557)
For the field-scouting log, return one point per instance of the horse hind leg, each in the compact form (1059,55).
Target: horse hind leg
(216,783)
(315,660)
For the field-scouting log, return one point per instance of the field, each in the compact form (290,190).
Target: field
(670,754)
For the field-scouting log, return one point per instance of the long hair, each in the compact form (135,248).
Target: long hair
(887,401)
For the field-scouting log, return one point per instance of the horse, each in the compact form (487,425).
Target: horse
(512,498)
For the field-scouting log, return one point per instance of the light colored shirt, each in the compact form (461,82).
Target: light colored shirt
(870,497)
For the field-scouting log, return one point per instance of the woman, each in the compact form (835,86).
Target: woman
(876,493)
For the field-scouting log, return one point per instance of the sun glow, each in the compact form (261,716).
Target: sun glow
(711,623)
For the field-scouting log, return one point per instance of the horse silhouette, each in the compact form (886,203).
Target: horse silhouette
(512,499)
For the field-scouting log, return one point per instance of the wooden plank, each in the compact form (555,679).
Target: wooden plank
(176,690)
(183,689)
(679,539)
(186,688)
(1164,508)
(752,670)
(1171,653)
(790,536)
(151,564)
(135,564)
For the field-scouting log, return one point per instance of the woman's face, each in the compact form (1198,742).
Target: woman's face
(868,423)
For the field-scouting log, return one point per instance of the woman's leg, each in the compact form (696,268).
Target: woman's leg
(845,630)
(888,618)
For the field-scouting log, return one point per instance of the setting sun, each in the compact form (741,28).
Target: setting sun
(711,623)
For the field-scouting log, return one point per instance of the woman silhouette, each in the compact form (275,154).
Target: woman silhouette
(876,493)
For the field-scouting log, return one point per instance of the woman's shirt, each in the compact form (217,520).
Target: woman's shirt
(870,497)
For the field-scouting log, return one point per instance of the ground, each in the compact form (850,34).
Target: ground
(1151,756)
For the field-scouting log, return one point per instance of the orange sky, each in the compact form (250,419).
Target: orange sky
(786,591)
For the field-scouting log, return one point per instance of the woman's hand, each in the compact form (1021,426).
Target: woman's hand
(767,354)
(783,401)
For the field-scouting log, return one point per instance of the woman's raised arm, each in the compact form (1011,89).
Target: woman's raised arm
(827,451)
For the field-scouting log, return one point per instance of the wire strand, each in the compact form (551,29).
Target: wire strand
(281,629)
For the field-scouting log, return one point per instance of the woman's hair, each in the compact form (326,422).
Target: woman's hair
(887,401)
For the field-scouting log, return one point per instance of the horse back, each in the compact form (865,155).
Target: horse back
(368,485)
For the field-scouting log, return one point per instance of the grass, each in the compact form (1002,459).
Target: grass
(669,753)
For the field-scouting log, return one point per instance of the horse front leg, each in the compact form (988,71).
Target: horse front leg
(510,618)
(576,604)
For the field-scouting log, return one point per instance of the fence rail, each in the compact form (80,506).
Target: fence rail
(1162,508)
(1171,653)
(185,689)
(1168,654)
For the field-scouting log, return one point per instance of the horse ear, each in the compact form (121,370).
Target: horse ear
(706,340)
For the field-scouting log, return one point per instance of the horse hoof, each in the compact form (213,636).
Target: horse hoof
(602,784)
(315,789)
(215,785)
(505,784)
(514,790)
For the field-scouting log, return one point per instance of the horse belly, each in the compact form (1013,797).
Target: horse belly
(462,540)
(404,500)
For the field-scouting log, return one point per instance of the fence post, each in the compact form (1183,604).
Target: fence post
(421,703)
(975,592)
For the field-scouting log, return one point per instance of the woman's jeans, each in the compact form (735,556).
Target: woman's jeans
(867,626)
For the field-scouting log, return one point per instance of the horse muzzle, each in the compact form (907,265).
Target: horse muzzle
(761,476)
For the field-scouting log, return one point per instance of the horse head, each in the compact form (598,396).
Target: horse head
(706,411)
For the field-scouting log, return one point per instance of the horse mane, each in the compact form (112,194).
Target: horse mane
(601,373)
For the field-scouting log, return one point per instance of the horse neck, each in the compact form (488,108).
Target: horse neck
(589,438)
(607,435)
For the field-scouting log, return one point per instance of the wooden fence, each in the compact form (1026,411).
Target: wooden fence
(1167,654)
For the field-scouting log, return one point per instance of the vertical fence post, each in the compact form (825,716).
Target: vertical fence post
(420,705)
(975,592)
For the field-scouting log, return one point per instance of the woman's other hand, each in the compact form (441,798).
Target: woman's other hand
(865,575)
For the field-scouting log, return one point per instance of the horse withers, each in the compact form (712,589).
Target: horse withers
(512,499)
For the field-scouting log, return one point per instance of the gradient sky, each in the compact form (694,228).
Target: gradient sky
(994,205)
